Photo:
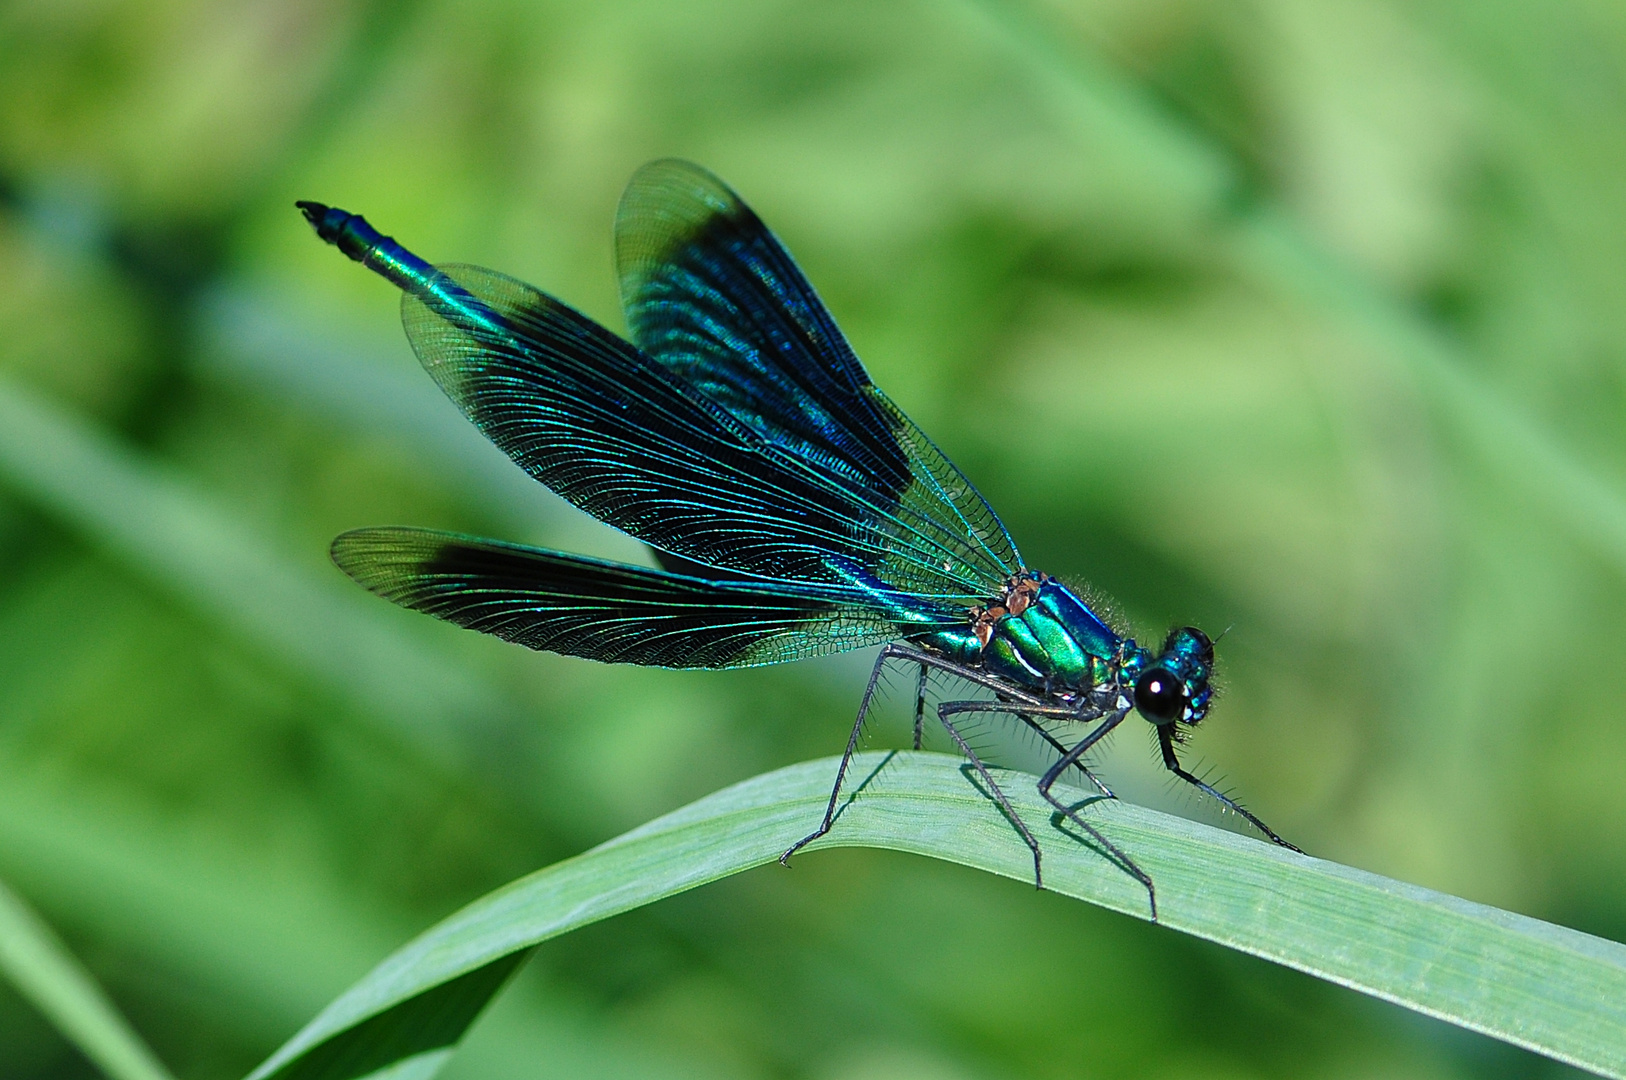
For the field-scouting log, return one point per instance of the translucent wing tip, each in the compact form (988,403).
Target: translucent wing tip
(678,176)
(665,203)
(387,561)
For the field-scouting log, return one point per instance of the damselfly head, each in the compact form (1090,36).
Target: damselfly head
(1174,686)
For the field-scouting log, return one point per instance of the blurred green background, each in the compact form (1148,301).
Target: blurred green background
(1303,320)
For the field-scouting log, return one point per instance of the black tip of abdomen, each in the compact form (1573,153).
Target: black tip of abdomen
(328,221)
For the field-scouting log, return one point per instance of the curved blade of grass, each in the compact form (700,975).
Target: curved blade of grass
(262,939)
(1552,990)
(47,974)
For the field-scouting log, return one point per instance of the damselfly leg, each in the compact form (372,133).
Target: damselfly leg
(1012,701)
(1021,826)
(920,703)
(1166,740)
(1070,758)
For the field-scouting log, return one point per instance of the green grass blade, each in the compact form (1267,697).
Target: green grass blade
(1552,990)
(260,938)
(47,974)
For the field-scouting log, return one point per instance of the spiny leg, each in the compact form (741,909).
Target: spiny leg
(969,674)
(1060,712)
(1095,705)
(887,653)
(943,714)
(1166,739)
(1061,748)
(1071,758)
(920,704)
(926,660)
(1027,713)
(1115,852)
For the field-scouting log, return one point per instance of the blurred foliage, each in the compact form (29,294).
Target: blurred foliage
(1056,233)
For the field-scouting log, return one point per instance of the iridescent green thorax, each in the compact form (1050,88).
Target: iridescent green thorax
(1041,636)
(1046,636)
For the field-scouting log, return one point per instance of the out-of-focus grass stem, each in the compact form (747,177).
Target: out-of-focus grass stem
(40,966)
(1270,246)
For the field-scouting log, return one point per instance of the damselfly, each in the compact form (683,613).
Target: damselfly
(796,510)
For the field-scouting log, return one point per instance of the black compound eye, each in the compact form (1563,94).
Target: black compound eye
(1159,696)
